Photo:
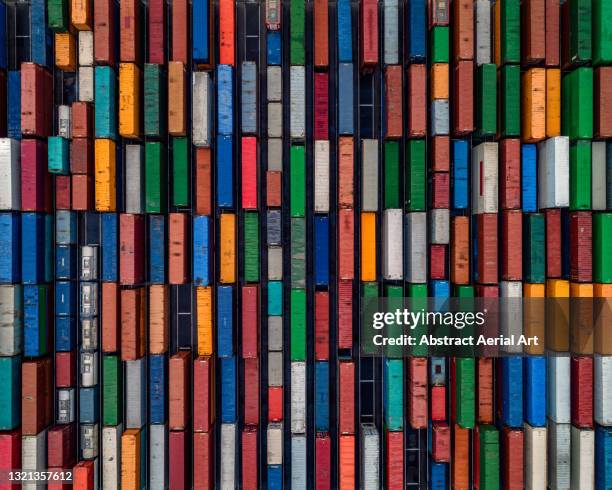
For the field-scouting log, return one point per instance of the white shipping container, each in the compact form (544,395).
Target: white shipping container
(111,456)
(603,390)
(89,441)
(275,443)
(298,102)
(10,174)
(370,457)
(65,405)
(11,324)
(535,458)
(440,117)
(598,176)
(583,459)
(275,84)
(298,397)
(559,456)
(391,36)
(439,226)
(136,401)
(483,32)
(485,186)
(89,263)
(298,462)
(275,333)
(369,175)
(275,263)
(275,154)
(228,456)
(393,245)
(134,179)
(89,369)
(34,456)
(64,121)
(321,176)
(89,334)
(558,402)
(275,120)
(201,110)
(275,369)
(416,247)
(553,172)
(86,83)
(511,314)
(86,48)
(89,299)
(158,457)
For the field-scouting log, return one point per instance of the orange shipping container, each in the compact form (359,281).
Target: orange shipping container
(345,172)
(65,51)
(180,389)
(460,250)
(178,255)
(132,324)
(202,179)
(129,27)
(417,100)
(129,100)
(110,317)
(347,463)
(602,341)
(227,252)
(274,188)
(105,167)
(557,315)
(439,81)
(581,320)
(180,31)
(368,247)
(484,381)
(553,102)
(130,459)
(226,32)
(159,311)
(534,317)
(177,107)
(463,32)
(346,244)
(81,14)
(204,306)
(461,459)
(321,26)
(533,105)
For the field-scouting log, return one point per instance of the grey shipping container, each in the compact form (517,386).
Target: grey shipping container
(86,83)
(89,369)
(64,121)
(89,299)
(297,116)
(275,84)
(275,369)
(275,263)
(416,247)
(439,226)
(439,117)
(275,155)
(134,179)
(275,120)
(393,268)
(11,323)
(275,334)
(370,457)
(111,456)
(559,456)
(483,31)
(391,35)
(274,226)
(34,455)
(65,406)
(89,263)
(136,389)
(228,456)
(201,109)
(369,175)
(583,459)
(158,457)
(298,462)
(10,174)
(345,98)
(249,97)
(89,441)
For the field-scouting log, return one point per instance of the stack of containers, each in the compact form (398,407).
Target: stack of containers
(274,226)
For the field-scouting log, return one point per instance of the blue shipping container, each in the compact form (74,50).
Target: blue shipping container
(438,474)
(322,396)
(416,32)
(35,320)
(275,477)
(460,183)
(529,179)
(89,405)
(14,105)
(439,289)
(65,333)
(32,248)
(65,227)
(106,103)
(90,227)
(225,171)
(65,298)
(275,298)
(273,42)
(345,98)
(512,391)
(228,390)
(49,247)
(437,371)
(321,225)
(534,374)
(41,38)
(110,263)
(345,39)
(225,100)
(201,250)
(65,262)
(199,29)
(157,249)
(603,458)
(10,250)
(157,388)
(225,321)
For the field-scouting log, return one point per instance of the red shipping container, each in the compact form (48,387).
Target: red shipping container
(65,369)
(553,243)
(394,101)
(510,174)
(275,403)
(369,34)
(180,389)
(82,193)
(83,475)
(484,389)
(129,32)
(321,33)
(395,460)
(204,455)
(346,397)
(62,192)
(104,32)
(440,155)
(476,455)
(463,94)
(581,246)
(322,461)
(226,32)
(81,156)
(178,252)
(36,101)
(437,262)
(61,447)
(321,106)
(110,317)
(512,466)
(203,394)
(180,31)
(582,392)
(463,32)
(487,248)
(202,181)
(35,179)
(440,184)
(249,458)
(82,120)
(483,291)
(250,321)
(417,392)
(321,325)
(274,185)
(417,100)
(552,33)
(180,459)
(438,403)
(132,324)
(36,395)
(249,172)
(251,391)
(346,244)
(534,32)
(131,248)
(512,245)
(440,442)
(157,32)
(345,172)
(603,102)
(345,314)
(10,455)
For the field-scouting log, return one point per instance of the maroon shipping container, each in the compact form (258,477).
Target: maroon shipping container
(510,174)
(581,246)
(180,31)
(36,395)
(463,31)
(36,101)
(321,325)
(82,192)
(369,34)
(394,102)
(129,31)
(487,248)
(438,403)
(250,321)
(81,156)
(203,389)
(249,458)
(484,390)
(65,369)
(61,447)
(251,391)
(463,96)
(178,254)
(104,32)
(321,106)
(346,397)
(345,314)
(484,291)
(440,442)
(512,466)
(603,102)
(82,120)
(131,248)
(204,454)
(395,460)
(62,192)
(553,243)
(346,244)
(180,389)
(180,460)
(440,190)
(35,179)
(110,317)
(565,27)
(534,32)
(437,262)
(552,33)
(512,245)
(157,32)
(10,454)
(322,461)
(417,101)
(440,154)
(582,392)
(417,392)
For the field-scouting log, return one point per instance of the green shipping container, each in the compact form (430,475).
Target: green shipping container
(10,395)
(579,97)
(489,457)
(58,155)
(392,175)
(602,247)
(580,175)
(112,411)
(510,101)
(486,100)
(298,324)
(154,89)
(393,406)
(394,297)
(602,32)
(297,27)
(155,177)
(415,175)
(180,172)
(298,252)
(58,18)
(465,392)
(251,246)
(534,248)
(418,299)
(297,182)
(580,31)
(510,26)
(369,293)
(439,44)
(464,291)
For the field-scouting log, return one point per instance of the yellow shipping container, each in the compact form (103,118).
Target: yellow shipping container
(581,318)
(158,318)
(204,305)
(602,318)
(368,247)
(557,315)
(65,51)
(130,459)
(533,105)
(439,81)
(81,14)
(534,316)
(129,100)
(177,86)
(227,257)
(553,102)
(105,167)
